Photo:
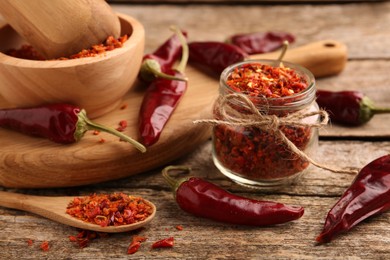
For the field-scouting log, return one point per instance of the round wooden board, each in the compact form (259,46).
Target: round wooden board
(27,162)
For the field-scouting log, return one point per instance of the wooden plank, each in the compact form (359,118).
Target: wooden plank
(317,192)
(367,40)
(366,37)
(237,1)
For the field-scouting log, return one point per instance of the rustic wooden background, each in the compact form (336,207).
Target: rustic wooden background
(364,28)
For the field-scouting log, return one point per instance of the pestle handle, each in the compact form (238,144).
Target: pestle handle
(59,28)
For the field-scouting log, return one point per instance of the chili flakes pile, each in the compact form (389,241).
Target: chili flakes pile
(28,52)
(255,79)
(110,209)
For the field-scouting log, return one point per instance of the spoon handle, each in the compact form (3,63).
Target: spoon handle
(12,200)
(41,205)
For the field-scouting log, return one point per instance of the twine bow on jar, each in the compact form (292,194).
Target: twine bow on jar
(270,123)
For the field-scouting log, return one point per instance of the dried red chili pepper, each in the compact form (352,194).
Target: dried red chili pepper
(350,108)
(159,63)
(109,209)
(204,199)
(368,195)
(160,100)
(60,123)
(260,42)
(166,242)
(215,55)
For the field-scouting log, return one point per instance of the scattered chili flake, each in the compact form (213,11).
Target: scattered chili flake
(84,237)
(135,244)
(122,125)
(96,132)
(30,242)
(102,140)
(29,53)
(109,209)
(133,247)
(45,246)
(179,227)
(73,238)
(139,238)
(166,242)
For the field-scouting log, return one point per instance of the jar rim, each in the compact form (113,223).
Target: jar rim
(296,100)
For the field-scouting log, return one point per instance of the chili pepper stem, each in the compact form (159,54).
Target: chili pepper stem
(185,51)
(151,67)
(380,110)
(171,181)
(368,109)
(85,124)
(284,50)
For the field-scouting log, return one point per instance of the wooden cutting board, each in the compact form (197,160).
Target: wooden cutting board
(27,162)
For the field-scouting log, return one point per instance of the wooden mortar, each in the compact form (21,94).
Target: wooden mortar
(59,28)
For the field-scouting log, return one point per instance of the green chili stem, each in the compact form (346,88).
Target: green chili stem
(185,51)
(171,181)
(149,67)
(284,50)
(380,110)
(85,124)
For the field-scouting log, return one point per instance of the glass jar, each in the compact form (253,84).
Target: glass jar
(257,157)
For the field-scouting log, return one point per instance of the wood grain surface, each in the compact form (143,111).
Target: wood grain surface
(365,31)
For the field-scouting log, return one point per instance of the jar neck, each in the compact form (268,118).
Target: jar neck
(292,103)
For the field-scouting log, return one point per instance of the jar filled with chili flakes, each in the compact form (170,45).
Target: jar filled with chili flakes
(247,145)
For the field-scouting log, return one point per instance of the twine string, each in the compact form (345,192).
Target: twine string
(271,123)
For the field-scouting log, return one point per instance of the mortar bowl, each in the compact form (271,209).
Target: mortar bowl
(96,84)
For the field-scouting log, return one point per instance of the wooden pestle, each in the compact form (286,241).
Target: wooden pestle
(59,28)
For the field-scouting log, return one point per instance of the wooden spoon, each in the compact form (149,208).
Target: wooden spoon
(54,208)
(62,27)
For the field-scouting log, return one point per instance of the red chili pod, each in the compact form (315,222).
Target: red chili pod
(215,55)
(351,108)
(261,42)
(368,195)
(160,100)
(60,123)
(204,199)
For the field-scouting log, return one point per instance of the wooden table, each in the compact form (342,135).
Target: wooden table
(364,28)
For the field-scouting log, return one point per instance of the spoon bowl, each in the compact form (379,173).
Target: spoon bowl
(54,208)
